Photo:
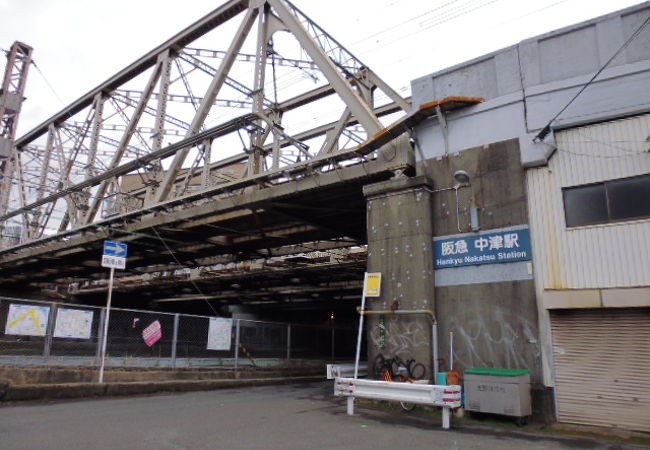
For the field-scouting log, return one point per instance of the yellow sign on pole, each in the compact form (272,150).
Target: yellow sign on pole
(373,285)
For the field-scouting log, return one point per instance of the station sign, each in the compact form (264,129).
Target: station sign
(483,248)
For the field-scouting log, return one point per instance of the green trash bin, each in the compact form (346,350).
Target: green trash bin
(498,391)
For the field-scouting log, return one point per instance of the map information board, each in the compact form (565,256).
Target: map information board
(73,323)
(27,320)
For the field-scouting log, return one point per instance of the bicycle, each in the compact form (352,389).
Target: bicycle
(413,368)
(396,370)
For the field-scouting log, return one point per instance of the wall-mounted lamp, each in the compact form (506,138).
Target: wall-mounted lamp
(462,178)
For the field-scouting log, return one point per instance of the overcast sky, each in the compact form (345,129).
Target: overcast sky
(80,43)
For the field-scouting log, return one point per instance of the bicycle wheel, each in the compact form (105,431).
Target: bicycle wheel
(379,367)
(417,370)
(407,406)
(395,365)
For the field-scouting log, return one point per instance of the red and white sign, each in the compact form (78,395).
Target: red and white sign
(152,334)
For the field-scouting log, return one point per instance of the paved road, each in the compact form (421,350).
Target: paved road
(303,416)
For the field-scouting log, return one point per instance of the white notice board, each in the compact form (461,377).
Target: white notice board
(219,333)
(73,323)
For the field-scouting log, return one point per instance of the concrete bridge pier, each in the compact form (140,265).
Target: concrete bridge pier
(400,246)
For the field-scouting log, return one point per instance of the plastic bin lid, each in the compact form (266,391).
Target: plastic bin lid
(498,372)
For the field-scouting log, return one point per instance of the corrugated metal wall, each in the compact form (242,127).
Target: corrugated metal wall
(597,256)
(602,364)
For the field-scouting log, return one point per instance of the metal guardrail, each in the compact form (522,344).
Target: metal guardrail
(447,397)
(345,370)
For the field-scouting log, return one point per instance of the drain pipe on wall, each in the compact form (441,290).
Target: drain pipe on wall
(434,331)
(451,350)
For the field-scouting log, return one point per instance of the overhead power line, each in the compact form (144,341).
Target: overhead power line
(547,129)
(49,85)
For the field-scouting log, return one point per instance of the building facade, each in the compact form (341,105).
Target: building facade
(542,261)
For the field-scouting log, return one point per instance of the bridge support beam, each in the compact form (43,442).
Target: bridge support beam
(400,246)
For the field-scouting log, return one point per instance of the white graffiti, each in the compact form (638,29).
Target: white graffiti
(400,336)
(508,341)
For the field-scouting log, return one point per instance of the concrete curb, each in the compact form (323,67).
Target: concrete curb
(79,390)
(19,376)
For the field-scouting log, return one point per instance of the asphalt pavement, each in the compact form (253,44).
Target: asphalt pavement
(299,416)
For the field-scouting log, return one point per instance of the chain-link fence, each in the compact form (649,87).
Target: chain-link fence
(44,333)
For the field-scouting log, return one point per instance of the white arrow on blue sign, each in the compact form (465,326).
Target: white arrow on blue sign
(114,255)
(114,248)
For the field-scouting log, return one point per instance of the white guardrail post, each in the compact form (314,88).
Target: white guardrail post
(447,397)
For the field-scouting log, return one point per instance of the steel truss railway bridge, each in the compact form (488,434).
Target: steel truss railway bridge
(153,157)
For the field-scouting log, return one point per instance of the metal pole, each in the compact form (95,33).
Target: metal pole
(451,350)
(350,406)
(434,350)
(446,417)
(288,343)
(333,344)
(237,345)
(106,320)
(350,409)
(49,331)
(363,307)
(175,340)
(100,336)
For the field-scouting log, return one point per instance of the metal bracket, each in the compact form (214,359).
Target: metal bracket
(442,118)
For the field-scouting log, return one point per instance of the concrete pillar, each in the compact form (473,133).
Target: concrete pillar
(400,246)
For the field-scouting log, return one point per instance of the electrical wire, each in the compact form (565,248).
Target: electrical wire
(196,286)
(461,10)
(49,85)
(446,16)
(611,145)
(547,129)
(600,156)
(392,27)
(544,8)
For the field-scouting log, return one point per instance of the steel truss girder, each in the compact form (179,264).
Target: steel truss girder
(346,77)
(12,90)
(208,100)
(234,201)
(219,16)
(171,212)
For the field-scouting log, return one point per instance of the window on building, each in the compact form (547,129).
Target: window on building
(610,201)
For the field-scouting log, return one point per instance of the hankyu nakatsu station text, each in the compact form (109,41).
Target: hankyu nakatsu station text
(486,248)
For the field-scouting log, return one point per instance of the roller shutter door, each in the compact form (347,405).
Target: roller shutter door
(602,367)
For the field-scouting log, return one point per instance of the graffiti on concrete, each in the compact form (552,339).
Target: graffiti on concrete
(399,337)
(502,339)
